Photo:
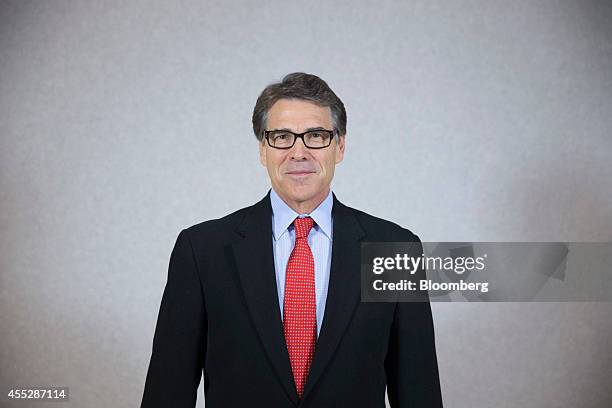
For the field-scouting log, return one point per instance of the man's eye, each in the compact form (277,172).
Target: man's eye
(281,136)
(316,135)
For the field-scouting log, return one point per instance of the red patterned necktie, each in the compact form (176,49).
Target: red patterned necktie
(299,309)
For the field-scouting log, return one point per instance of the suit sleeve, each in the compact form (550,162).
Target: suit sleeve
(179,344)
(411,364)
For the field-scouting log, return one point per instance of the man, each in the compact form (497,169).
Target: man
(265,302)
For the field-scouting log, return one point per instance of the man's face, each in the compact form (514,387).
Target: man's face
(299,175)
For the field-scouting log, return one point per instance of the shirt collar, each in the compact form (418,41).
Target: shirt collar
(283,215)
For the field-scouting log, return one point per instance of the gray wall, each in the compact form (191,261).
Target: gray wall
(123,122)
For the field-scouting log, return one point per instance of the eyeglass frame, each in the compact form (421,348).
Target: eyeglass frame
(333,133)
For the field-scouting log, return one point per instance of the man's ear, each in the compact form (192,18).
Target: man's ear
(340,149)
(262,154)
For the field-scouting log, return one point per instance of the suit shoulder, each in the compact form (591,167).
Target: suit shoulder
(383,230)
(217,228)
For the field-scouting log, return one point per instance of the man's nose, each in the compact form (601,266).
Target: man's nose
(299,150)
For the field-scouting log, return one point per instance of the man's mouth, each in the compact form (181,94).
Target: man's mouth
(300,173)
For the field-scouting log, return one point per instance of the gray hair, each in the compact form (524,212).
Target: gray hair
(298,85)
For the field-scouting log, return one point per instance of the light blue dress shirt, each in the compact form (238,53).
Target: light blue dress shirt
(319,240)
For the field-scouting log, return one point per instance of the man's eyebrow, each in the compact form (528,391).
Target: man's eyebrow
(310,129)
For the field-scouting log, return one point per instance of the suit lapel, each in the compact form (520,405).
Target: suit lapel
(254,259)
(343,292)
(253,255)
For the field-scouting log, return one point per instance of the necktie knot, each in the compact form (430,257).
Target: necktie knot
(303,226)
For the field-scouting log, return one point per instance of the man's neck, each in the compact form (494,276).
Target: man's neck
(304,207)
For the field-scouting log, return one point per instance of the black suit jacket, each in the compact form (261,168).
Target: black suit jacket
(220,316)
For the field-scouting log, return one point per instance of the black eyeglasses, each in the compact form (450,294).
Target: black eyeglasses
(313,139)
